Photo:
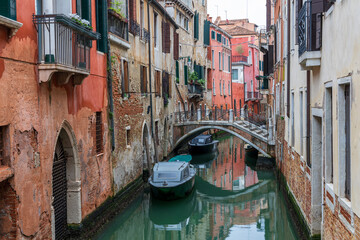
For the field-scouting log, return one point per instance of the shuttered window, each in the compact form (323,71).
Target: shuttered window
(126,79)
(101,24)
(186,74)
(206,32)
(218,37)
(219,60)
(196,25)
(8,9)
(83,8)
(177,71)
(132,10)
(166,42)
(143,79)
(98,126)
(166,85)
(213,35)
(157,83)
(176,45)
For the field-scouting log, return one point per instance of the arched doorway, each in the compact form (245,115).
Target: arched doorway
(66,184)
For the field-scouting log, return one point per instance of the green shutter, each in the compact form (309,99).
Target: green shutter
(196,25)
(206,32)
(186,74)
(218,37)
(101,24)
(177,70)
(86,10)
(213,34)
(8,9)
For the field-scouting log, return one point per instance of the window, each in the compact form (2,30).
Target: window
(177,71)
(98,133)
(128,137)
(125,70)
(214,92)
(8,9)
(229,89)
(213,35)
(241,74)
(224,88)
(229,63)
(218,37)
(166,37)
(301,124)
(206,32)
(186,74)
(223,61)
(83,9)
(157,83)
(219,60)
(212,57)
(203,2)
(155,29)
(250,57)
(141,16)
(196,25)
(220,88)
(329,174)
(344,147)
(143,79)
(235,74)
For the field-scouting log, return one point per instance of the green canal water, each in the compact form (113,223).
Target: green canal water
(230,201)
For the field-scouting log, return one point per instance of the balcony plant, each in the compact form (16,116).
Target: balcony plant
(117,7)
(82,22)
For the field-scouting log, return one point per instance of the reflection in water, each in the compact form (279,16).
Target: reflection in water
(230,201)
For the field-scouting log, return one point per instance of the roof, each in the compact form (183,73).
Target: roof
(220,30)
(236,31)
(170,166)
(163,11)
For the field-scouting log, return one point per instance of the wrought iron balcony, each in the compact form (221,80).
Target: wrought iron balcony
(134,28)
(145,35)
(118,25)
(64,48)
(195,91)
(252,96)
(309,36)
(239,59)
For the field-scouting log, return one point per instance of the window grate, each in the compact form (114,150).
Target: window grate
(98,129)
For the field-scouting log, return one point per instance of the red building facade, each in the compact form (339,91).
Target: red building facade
(219,76)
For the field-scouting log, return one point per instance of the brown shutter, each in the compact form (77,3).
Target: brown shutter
(318,31)
(176,45)
(163,33)
(141,79)
(132,10)
(167,38)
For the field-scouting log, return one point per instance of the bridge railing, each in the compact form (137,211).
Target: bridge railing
(207,114)
(258,119)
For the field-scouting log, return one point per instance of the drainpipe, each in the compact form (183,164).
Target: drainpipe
(110,92)
(288,60)
(151,99)
(308,104)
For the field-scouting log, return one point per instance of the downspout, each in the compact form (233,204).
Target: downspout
(150,88)
(308,104)
(110,92)
(231,86)
(288,59)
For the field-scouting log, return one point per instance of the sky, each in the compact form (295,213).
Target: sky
(236,9)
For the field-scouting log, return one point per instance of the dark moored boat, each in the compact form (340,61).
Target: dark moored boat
(202,144)
(172,180)
(251,151)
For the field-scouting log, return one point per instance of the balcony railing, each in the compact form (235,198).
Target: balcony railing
(309,29)
(118,25)
(63,41)
(253,95)
(145,35)
(239,59)
(134,28)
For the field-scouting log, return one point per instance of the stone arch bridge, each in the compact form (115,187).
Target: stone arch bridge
(189,125)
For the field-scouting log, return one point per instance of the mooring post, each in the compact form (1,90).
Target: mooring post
(199,114)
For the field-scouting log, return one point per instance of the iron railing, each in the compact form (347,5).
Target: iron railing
(258,119)
(238,59)
(145,35)
(253,95)
(195,89)
(118,26)
(63,41)
(134,28)
(309,29)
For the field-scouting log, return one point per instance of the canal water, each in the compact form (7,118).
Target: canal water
(230,201)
